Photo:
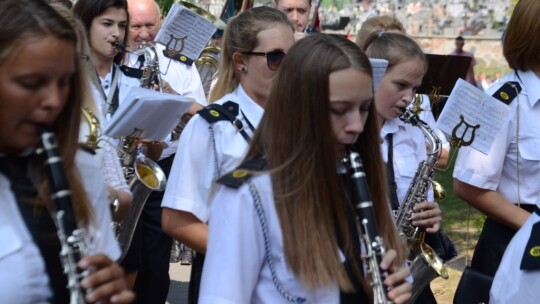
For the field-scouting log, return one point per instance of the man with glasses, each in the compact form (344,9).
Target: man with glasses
(298,12)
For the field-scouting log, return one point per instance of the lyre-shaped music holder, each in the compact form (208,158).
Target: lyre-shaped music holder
(172,52)
(458,141)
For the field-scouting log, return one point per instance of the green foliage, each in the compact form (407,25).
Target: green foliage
(459,219)
(165,6)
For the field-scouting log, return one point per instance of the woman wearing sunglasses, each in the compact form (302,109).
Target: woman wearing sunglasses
(215,140)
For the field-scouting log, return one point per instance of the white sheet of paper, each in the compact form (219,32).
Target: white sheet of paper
(379,68)
(180,22)
(477,108)
(156,113)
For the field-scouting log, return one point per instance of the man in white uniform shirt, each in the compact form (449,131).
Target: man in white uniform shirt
(152,251)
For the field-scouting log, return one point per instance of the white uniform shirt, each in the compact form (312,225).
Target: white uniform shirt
(124,83)
(511,284)
(205,152)
(184,79)
(409,150)
(22,268)
(497,170)
(107,153)
(235,270)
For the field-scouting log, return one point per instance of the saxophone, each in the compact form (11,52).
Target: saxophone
(151,75)
(426,264)
(72,238)
(142,174)
(375,249)
(92,138)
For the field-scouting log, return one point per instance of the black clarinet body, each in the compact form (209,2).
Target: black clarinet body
(72,238)
(373,241)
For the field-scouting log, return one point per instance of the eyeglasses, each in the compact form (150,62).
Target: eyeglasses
(273,58)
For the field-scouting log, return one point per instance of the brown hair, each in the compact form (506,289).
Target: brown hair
(394,47)
(241,36)
(303,164)
(377,24)
(88,10)
(26,19)
(520,49)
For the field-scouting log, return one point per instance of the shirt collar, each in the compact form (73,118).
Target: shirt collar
(391,126)
(106,81)
(248,106)
(531,86)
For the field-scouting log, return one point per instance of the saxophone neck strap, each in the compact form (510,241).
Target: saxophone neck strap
(112,101)
(392,186)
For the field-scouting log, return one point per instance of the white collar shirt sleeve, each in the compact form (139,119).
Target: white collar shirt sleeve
(235,236)
(22,269)
(511,284)
(497,170)
(205,152)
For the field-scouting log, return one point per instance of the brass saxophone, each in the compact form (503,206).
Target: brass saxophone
(151,75)
(143,174)
(92,138)
(426,264)
(375,249)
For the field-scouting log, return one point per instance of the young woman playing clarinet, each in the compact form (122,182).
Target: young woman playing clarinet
(45,199)
(283,227)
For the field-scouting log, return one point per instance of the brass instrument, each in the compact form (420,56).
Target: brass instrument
(438,189)
(92,138)
(426,264)
(207,64)
(143,174)
(375,249)
(151,75)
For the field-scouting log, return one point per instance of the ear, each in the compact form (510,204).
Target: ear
(238,61)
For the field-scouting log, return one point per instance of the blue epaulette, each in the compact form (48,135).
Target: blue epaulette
(215,112)
(507,92)
(243,173)
(228,111)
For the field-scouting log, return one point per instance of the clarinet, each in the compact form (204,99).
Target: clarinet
(374,243)
(71,237)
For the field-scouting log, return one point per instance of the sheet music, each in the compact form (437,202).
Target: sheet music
(155,113)
(379,68)
(477,108)
(181,22)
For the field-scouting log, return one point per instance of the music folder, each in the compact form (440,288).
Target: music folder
(149,114)
(443,73)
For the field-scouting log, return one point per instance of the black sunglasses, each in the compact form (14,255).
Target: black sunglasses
(273,58)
